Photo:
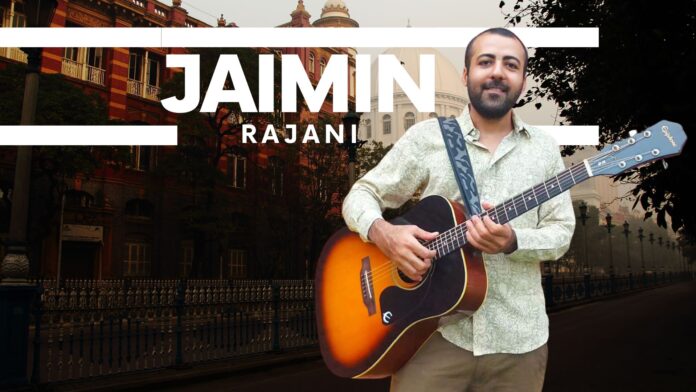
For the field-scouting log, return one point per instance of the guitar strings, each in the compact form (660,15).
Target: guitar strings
(452,235)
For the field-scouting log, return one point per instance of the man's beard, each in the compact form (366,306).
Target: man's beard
(494,107)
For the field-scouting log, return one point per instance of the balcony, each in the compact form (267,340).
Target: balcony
(140,89)
(14,54)
(83,72)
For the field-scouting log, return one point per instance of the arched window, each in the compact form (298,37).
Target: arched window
(432,115)
(386,124)
(368,129)
(311,63)
(322,66)
(409,120)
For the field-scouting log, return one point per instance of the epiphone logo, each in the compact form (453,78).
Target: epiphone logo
(669,136)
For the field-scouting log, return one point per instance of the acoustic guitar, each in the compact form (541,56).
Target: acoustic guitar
(371,318)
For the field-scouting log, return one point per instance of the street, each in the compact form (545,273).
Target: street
(639,342)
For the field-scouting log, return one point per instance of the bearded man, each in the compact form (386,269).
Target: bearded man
(502,346)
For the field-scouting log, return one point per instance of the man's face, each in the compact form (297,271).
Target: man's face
(495,79)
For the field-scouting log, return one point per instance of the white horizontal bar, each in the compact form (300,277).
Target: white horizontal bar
(365,37)
(88,135)
(578,135)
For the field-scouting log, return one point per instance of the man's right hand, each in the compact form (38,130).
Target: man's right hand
(400,243)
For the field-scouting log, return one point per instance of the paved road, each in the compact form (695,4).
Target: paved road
(640,342)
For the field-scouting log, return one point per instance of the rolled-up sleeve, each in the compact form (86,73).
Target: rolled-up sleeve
(550,239)
(388,185)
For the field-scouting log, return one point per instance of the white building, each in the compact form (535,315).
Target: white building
(450,97)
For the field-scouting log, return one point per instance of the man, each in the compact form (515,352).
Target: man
(502,347)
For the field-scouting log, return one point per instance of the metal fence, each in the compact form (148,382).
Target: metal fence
(87,328)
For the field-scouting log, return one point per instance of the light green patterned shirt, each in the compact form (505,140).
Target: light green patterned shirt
(512,319)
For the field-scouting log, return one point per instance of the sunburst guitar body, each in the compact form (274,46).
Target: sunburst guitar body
(371,318)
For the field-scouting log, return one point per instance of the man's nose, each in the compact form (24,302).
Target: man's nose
(497,71)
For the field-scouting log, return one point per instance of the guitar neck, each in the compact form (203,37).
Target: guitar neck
(510,209)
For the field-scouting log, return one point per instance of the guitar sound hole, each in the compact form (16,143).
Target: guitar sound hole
(404,277)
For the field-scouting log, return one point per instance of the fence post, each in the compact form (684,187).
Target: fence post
(276,316)
(15,305)
(180,297)
(38,312)
(548,289)
(588,287)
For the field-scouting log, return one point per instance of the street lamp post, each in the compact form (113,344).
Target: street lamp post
(586,267)
(651,239)
(350,120)
(626,232)
(612,275)
(642,258)
(16,295)
(661,255)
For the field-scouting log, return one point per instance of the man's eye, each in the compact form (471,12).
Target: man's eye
(485,62)
(513,66)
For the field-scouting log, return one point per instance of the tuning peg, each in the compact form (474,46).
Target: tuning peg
(664,164)
(632,132)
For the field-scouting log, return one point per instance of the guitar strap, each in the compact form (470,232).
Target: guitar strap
(459,157)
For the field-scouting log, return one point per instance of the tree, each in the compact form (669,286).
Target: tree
(204,139)
(59,103)
(637,77)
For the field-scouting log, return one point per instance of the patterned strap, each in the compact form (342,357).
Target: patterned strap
(459,156)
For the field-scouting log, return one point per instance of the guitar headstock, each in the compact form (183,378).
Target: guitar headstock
(662,140)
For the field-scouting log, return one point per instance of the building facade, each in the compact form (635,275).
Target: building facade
(132,222)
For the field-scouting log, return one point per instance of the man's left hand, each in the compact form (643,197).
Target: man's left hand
(490,237)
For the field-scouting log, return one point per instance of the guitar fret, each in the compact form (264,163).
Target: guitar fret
(525,203)
(546,189)
(571,175)
(515,207)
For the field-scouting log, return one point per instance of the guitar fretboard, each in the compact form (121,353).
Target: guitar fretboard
(510,209)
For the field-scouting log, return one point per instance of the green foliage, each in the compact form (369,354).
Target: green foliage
(636,77)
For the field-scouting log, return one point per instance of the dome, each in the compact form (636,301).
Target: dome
(336,8)
(447,79)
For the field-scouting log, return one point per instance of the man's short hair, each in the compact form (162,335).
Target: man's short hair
(498,31)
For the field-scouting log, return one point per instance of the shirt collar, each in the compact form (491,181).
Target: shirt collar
(519,126)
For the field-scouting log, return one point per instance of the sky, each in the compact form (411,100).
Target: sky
(376,13)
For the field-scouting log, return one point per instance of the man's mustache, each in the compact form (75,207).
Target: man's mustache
(496,84)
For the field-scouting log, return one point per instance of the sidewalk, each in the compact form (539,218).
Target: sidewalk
(151,380)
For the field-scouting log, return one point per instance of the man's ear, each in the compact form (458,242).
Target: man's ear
(465,76)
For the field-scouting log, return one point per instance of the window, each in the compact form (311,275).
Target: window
(236,170)
(409,120)
(186,258)
(322,66)
(2,16)
(432,115)
(140,208)
(141,157)
(78,199)
(153,72)
(237,263)
(71,54)
(95,57)
(368,129)
(19,20)
(352,82)
(276,172)
(136,259)
(311,63)
(386,124)
(135,66)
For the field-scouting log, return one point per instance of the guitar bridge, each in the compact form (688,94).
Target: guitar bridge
(368,292)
